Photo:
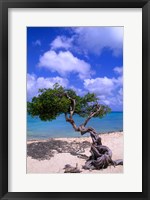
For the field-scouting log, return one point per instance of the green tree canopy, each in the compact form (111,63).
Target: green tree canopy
(50,103)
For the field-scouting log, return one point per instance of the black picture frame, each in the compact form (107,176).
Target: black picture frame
(4,6)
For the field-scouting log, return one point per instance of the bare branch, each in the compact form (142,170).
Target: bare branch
(72,107)
(71,121)
(92,114)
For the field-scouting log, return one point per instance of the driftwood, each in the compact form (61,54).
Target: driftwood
(69,169)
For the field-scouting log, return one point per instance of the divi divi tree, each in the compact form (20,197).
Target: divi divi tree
(50,103)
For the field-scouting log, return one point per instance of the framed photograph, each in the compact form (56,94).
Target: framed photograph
(74,99)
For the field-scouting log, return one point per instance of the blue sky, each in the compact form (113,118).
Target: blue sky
(86,59)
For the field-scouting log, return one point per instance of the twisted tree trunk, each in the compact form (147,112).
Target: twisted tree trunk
(101,156)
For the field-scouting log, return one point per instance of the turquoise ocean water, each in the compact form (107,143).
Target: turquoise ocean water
(37,129)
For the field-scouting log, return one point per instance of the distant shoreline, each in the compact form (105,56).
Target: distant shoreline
(80,136)
(74,138)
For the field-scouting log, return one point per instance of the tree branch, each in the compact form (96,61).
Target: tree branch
(82,129)
(73,102)
(71,121)
(92,114)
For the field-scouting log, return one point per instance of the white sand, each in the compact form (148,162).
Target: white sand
(56,164)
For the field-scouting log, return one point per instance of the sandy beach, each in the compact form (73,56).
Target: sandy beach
(50,156)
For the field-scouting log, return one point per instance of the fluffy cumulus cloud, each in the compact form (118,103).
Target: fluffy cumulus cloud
(64,62)
(79,91)
(61,42)
(92,40)
(95,39)
(35,83)
(100,86)
(109,90)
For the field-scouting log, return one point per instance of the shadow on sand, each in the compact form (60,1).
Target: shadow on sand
(46,150)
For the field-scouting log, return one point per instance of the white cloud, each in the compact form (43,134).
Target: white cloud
(65,63)
(102,86)
(78,91)
(61,42)
(35,83)
(109,90)
(117,99)
(95,39)
(37,43)
(118,70)
(120,92)
(91,40)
